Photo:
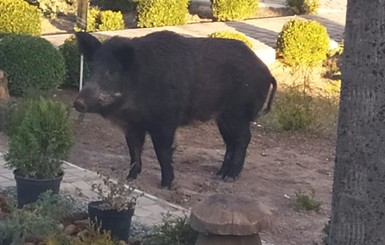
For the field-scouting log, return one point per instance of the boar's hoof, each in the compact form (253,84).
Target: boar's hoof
(228,179)
(166,182)
(131,176)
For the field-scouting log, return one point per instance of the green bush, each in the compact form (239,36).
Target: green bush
(303,42)
(307,202)
(116,5)
(71,54)
(153,13)
(110,21)
(232,35)
(172,231)
(106,20)
(17,16)
(234,9)
(303,6)
(31,63)
(51,8)
(35,221)
(41,140)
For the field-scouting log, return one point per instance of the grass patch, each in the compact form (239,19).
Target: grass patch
(307,202)
(172,231)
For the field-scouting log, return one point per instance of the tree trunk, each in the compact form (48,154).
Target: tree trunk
(4,94)
(358,205)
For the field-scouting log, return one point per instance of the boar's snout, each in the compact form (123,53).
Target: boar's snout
(80,106)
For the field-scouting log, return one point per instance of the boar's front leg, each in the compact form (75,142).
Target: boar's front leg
(135,140)
(162,138)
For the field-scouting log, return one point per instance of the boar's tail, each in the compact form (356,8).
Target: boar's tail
(271,97)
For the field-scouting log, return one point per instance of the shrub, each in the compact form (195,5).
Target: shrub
(116,5)
(153,13)
(35,221)
(103,20)
(41,140)
(31,63)
(17,16)
(71,54)
(173,231)
(303,6)
(234,9)
(295,112)
(50,8)
(303,42)
(110,21)
(233,35)
(307,202)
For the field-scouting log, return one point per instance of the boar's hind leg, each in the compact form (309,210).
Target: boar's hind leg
(162,138)
(135,140)
(235,130)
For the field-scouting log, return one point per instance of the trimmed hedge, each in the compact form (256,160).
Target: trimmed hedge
(18,17)
(303,6)
(232,35)
(105,20)
(71,54)
(153,13)
(31,63)
(303,42)
(234,9)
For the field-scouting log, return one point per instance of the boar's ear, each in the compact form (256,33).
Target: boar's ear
(125,55)
(87,43)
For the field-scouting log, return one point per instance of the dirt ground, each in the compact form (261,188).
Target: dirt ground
(277,166)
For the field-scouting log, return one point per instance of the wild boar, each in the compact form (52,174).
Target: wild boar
(155,83)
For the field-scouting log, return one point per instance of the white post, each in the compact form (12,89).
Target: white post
(81,72)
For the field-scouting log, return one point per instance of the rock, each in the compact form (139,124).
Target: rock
(81,224)
(69,229)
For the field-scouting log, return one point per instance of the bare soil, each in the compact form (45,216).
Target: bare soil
(277,166)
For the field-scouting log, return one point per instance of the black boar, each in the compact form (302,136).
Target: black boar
(155,83)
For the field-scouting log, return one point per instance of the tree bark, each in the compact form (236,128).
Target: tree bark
(358,205)
(4,93)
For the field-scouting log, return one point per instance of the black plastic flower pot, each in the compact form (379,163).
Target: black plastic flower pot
(114,221)
(29,189)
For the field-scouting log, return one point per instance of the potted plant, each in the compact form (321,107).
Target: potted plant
(39,139)
(114,210)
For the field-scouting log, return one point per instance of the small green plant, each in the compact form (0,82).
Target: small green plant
(30,63)
(71,55)
(303,43)
(115,195)
(153,13)
(35,221)
(303,6)
(307,202)
(18,17)
(232,35)
(93,236)
(173,231)
(103,20)
(41,140)
(234,9)
(294,111)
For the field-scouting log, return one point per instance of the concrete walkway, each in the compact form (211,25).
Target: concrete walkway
(148,212)
(262,32)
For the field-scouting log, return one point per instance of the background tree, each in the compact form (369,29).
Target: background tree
(358,205)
